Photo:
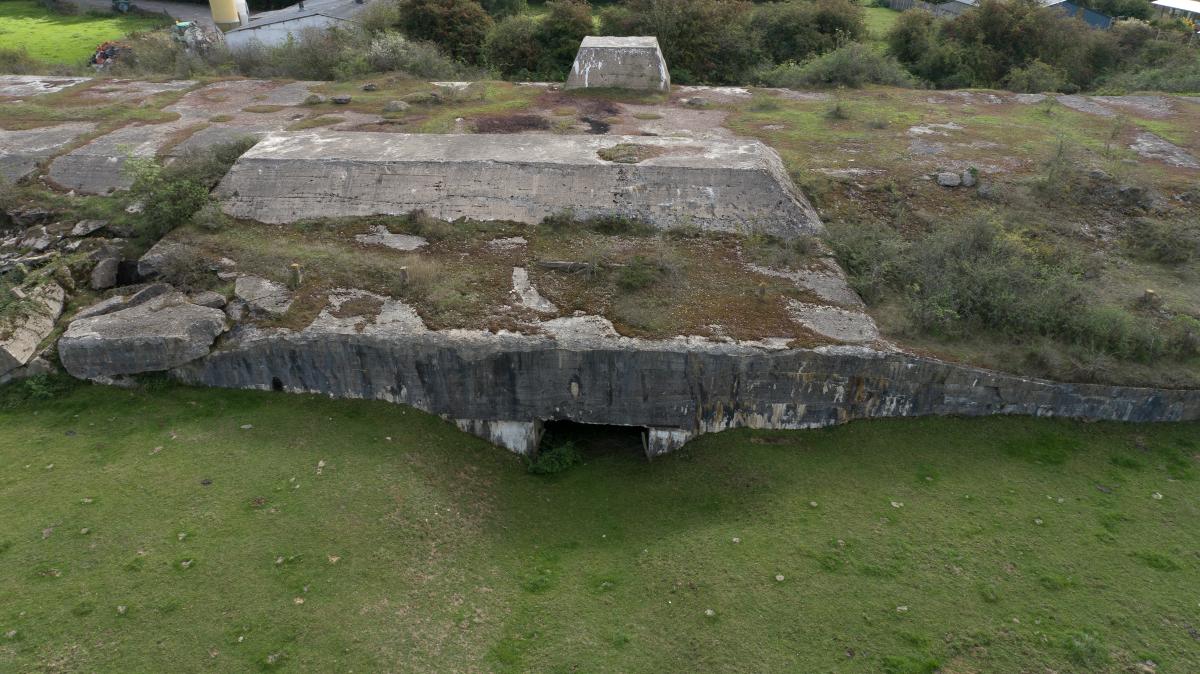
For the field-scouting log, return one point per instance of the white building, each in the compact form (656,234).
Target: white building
(272,28)
(1188,9)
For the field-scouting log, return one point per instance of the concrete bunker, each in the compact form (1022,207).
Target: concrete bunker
(619,63)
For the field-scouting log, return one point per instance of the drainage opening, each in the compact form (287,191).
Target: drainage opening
(594,440)
(276,384)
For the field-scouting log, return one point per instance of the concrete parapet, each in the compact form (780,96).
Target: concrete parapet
(714,184)
(621,63)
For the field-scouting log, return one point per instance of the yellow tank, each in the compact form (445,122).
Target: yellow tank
(225,13)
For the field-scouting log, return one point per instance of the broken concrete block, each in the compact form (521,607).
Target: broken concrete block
(264,298)
(104,274)
(948,179)
(27,323)
(619,62)
(160,334)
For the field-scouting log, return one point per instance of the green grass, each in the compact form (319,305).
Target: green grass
(990,545)
(58,38)
(879,21)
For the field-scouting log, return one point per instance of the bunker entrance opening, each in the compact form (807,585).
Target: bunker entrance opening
(595,440)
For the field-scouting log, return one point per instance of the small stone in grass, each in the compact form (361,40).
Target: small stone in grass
(11,634)
(46,532)
(85,531)
(897,504)
(185,564)
(1156,496)
(334,559)
(901,609)
(1038,521)
(246,427)
(206,481)
(86,499)
(121,610)
(736,539)
(278,561)
(812,504)
(298,600)
(182,535)
(49,466)
(708,612)
(779,577)
(156,450)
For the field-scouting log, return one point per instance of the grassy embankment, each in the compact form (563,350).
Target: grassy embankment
(59,38)
(144,530)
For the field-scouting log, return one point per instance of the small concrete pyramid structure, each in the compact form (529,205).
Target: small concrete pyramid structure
(620,63)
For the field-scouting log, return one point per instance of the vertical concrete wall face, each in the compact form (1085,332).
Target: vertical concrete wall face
(620,62)
(717,185)
(505,385)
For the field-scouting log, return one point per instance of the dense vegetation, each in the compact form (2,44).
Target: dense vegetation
(248,531)
(1015,44)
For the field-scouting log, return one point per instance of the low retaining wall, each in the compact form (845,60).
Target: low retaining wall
(502,387)
(718,185)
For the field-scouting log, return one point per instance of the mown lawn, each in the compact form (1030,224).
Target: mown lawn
(58,38)
(153,531)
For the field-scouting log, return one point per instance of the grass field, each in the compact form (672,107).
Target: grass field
(155,530)
(57,38)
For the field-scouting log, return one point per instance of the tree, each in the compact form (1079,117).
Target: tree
(797,29)
(458,26)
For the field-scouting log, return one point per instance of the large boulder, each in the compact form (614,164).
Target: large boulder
(27,322)
(162,333)
(162,256)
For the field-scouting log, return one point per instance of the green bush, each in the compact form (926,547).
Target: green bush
(513,48)
(561,30)
(1037,77)
(313,54)
(457,26)
(390,51)
(853,65)
(796,29)
(503,8)
(556,459)
(704,41)
(173,195)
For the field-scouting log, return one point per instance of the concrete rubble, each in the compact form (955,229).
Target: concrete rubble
(28,322)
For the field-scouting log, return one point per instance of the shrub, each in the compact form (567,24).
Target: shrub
(173,195)
(704,41)
(392,52)
(1164,241)
(503,8)
(796,29)
(521,47)
(853,65)
(314,54)
(912,36)
(166,202)
(1037,77)
(556,459)
(870,255)
(19,62)
(562,29)
(513,48)
(458,26)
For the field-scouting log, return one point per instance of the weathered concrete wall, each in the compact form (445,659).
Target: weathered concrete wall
(619,62)
(675,388)
(719,185)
